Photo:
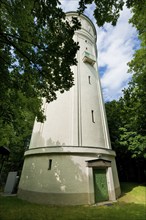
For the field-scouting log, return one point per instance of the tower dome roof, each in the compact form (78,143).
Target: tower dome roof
(74,13)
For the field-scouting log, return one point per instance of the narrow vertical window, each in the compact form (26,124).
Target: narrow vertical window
(92,114)
(50,164)
(89,79)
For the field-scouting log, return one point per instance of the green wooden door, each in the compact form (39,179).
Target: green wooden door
(100,185)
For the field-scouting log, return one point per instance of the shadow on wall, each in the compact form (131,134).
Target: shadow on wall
(69,175)
(55,172)
(38,141)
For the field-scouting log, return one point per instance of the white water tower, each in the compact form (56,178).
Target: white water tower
(70,160)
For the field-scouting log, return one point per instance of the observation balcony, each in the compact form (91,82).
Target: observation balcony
(88,58)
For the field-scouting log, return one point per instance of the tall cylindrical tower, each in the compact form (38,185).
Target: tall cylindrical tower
(70,160)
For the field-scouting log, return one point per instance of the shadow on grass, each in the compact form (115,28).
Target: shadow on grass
(126,187)
(13,208)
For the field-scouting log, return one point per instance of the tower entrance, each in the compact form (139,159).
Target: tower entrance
(100,185)
(101,178)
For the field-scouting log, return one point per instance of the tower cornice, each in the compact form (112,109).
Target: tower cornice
(74,13)
(70,149)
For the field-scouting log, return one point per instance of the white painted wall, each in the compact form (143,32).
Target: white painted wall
(67,175)
(69,118)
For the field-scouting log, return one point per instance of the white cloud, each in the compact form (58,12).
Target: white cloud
(69,5)
(115,49)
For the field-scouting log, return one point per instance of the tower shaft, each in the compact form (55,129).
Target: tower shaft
(70,153)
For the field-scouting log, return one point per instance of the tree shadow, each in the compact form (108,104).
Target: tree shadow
(67,174)
(129,186)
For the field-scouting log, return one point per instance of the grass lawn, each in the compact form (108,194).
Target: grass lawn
(131,206)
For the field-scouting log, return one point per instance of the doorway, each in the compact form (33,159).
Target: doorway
(100,185)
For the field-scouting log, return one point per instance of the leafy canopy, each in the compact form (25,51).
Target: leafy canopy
(37,49)
(108,10)
(36,54)
(127,116)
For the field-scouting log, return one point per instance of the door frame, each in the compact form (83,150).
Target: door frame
(101,164)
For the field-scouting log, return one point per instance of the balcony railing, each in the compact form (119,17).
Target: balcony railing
(88,58)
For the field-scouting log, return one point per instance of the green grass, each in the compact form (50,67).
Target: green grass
(131,206)
(132,192)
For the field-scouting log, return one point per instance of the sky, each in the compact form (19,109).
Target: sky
(116,46)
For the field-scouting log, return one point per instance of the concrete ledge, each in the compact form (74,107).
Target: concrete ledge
(54,198)
(70,150)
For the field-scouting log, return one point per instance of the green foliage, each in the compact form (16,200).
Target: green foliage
(126,120)
(15,131)
(36,54)
(113,110)
(36,48)
(137,87)
(127,116)
(109,11)
(127,129)
(139,16)
(131,128)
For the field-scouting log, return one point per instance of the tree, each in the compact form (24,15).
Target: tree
(126,139)
(109,11)
(36,54)
(130,130)
(137,66)
(36,48)
(137,86)
(16,130)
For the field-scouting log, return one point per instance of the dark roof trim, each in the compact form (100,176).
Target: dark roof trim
(99,159)
(4,150)
(98,163)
